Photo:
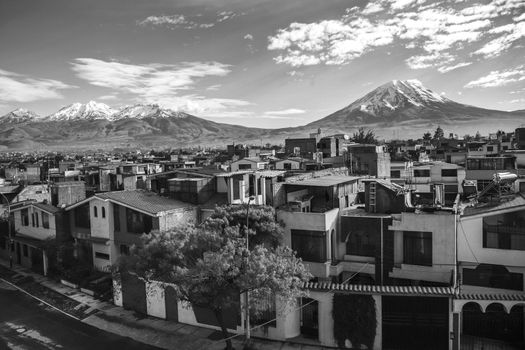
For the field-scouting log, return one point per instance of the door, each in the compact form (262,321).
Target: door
(172,310)
(133,293)
(18,254)
(310,318)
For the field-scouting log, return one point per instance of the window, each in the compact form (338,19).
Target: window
(449,172)
(103,212)
(82,216)
(493,276)
(124,249)
(417,248)
(395,174)
(95,211)
(309,245)
(360,242)
(287,166)
(33,219)
(490,148)
(245,166)
(504,231)
(138,222)
(100,255)
(45,220)
(421,173)
(116,218)
(25,251)
(36,219)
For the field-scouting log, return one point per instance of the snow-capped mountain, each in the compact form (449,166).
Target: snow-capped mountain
(78,111)
(140,111)
(396,95)
(20,115)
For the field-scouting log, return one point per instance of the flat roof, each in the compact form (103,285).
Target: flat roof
(325,181)
(516,202)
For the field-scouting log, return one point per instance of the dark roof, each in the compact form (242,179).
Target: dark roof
(516,202)
(47,207)
(148,202)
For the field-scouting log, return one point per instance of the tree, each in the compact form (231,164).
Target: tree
(209,266)
(427,136)
(261,221)
(366,137)
(438,134)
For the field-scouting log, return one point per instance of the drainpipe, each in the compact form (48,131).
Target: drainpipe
(382,262)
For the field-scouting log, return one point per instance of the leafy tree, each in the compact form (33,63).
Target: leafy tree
(427,136)
(263,228)
(438,134)
(468,138)
(366,137)
(210,265)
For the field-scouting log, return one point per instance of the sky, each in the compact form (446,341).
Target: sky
(260,63)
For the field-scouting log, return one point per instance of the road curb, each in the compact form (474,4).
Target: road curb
(40,300)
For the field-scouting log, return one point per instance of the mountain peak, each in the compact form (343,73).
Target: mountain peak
(78,111)
(395,95)
(19,115)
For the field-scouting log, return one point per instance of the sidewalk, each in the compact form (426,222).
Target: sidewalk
(149,330)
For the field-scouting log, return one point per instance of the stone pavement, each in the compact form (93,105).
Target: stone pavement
(149,330)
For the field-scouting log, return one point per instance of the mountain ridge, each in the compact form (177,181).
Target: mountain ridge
(402,106)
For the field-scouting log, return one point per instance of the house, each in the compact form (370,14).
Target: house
(249,163)
(107,224)
(370,160)
(36,225)
(490,305)
(483,169)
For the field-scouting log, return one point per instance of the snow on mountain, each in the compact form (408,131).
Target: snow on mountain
(395,95)
(20,115)
(78,111)
(141,111)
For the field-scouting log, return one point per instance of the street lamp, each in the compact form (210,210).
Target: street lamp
(9,231)
(246,294)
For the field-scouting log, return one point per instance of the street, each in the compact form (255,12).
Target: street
(27,324)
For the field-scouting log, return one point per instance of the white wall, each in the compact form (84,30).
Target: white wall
(470,237)
(32,231)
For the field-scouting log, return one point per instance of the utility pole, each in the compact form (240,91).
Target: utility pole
(247,293)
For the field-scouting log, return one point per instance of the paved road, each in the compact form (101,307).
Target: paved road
(27,324)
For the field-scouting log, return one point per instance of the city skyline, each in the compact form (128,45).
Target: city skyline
(257,63)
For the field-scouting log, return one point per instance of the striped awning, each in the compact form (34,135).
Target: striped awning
(492,296)
(384,290)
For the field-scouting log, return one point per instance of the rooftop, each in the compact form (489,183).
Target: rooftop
(325,181)
(144,201)
(516,202)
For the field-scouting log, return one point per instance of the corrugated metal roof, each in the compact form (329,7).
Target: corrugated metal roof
(387,290)
(325,181)
(144,201)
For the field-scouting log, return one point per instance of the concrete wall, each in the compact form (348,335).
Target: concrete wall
(470,237)
(32,231)
(441,224)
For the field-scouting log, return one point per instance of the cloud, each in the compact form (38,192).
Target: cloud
(288,111)
(446,69)
(181,21)
(248,37)
(108,97)
(214,87)
(16,87)
(158,83)
(434,33)
(499,78)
